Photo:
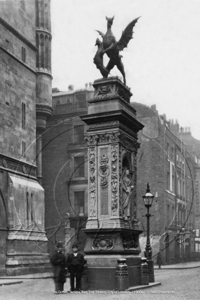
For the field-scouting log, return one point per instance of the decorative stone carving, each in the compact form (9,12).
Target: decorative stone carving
(120,181)
(4,163)
(105,89)
(92,183)
(17,165)
(92,139)
(126,141)
(103,242)
(124,94)
(104,125)
(114,180)
(130,241)
(104,168)
(104,172)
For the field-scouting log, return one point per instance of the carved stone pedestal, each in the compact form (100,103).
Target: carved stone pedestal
(112,202)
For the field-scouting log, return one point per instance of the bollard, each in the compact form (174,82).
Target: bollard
(151,270)
(84,278)
(122,280)
(144,271)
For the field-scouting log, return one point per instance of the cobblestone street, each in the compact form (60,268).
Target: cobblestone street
(175,284)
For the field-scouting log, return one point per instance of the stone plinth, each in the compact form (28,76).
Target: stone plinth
(112,201)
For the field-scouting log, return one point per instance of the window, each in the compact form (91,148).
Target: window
(80,100)
(167,150)
(29,207)
(78,133)
(23,148)
(197,247)
(168,214)
(79,166)
(79,199)
(23,115)
(23,54)
(172,154)
(168,180)
(173,215)
(179,187)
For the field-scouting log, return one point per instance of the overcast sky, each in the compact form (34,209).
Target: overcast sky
(162,62)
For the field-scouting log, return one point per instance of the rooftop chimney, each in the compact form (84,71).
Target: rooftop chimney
(70,87)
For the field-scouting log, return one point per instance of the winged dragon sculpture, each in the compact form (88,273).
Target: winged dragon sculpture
(112,48)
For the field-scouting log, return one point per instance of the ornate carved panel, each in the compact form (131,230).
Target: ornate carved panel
(92,183)
(114,180)
(92,139)
(104,172)
(102,242)
(130,241)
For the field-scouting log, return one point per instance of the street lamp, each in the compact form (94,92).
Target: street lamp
(148,200)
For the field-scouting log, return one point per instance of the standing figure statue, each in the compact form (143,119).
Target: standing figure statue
(111,47)
(127,189)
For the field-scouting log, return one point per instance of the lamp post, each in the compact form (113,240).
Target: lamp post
(148,200)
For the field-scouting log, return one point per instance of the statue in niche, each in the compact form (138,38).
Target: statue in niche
(111,47)
(127,189)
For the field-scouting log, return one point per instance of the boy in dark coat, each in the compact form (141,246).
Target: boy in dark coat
(75,262)
(58,262)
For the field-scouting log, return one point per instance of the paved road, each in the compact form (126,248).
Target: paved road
(176,284)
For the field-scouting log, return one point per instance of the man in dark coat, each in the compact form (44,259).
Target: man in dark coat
(75,262)
(159,259)
(58,262)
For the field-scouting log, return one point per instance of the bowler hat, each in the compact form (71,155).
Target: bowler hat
(75,245)
(60,244)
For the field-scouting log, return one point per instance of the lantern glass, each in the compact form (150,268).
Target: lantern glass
(148,197)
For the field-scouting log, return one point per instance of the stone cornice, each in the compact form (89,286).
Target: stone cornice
(43,30)
(17,34)
(16,166)
(44,71)
(43,109)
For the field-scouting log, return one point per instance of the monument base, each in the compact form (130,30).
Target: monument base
(101,271)
(104,247)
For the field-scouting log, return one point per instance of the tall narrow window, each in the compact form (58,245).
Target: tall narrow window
(32,210)
(23,115)
(79,166)
(79,199)
(27,208)
(23,54)
(23,148)
(168,214)
(78,133)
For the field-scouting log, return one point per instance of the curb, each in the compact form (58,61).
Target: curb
(176,268)
(141,287)
(28,276)
(9,282)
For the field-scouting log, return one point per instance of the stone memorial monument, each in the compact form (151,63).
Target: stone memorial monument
(112,229)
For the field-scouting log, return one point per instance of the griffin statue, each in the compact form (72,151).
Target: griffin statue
(111,47)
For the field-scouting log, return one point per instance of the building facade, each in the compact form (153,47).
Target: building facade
(165,162)
(193,146)
(25,91)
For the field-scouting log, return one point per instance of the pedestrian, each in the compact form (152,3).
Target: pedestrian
(159,259)
(58,262)
(75,263)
